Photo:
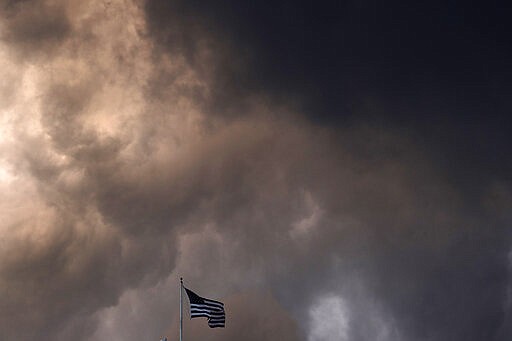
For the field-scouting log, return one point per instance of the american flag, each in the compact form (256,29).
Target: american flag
(203,307)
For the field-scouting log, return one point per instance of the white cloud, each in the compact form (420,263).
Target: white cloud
(329,319)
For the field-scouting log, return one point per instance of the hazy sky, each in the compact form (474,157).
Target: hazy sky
(329,170)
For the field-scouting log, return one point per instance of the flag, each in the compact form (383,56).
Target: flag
(203,307)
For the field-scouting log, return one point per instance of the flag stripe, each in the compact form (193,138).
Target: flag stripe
(217,320)
(203,308)
(209,313)
(195,305)
(210,306)
(213,303)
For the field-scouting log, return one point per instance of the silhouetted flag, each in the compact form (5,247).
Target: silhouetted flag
(203,307)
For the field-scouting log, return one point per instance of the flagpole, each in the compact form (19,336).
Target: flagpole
(181,309)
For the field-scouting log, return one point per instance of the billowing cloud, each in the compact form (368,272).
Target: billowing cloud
(126,163)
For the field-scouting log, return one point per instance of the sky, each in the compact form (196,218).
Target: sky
(330,170)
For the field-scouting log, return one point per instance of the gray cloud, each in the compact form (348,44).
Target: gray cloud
(36,28)
(119,173)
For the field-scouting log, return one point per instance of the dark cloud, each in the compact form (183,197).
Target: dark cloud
(340,50)
(35,27)
(418,67)
(143,141)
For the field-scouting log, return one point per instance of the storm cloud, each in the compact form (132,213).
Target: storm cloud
(143,141)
